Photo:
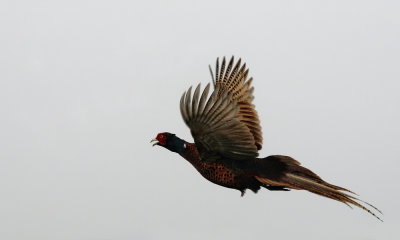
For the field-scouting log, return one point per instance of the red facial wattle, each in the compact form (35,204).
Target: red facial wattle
(162,139)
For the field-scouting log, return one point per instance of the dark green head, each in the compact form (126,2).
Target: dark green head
(170,142)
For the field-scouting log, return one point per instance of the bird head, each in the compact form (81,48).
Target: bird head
(161,139)
(169,141)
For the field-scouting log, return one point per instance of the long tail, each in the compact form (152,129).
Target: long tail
(285,172)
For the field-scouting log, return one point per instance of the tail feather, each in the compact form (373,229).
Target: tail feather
(286,172)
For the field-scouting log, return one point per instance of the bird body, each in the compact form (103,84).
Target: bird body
(227,134)
(218,173)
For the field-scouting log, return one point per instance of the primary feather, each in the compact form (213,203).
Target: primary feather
(217,130)
(236,82)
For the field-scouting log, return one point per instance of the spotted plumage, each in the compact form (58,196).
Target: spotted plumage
(217,172)
(227,137)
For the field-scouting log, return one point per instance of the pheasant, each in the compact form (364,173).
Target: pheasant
(227,137)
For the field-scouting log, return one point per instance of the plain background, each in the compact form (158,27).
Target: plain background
(85,85)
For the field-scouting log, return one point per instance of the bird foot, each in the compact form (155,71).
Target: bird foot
(243,192)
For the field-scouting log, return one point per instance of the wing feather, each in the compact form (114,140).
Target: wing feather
(196,99)
(216,127)
(187,102)
(234,80)
(203,99)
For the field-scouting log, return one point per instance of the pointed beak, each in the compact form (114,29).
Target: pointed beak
(155,141)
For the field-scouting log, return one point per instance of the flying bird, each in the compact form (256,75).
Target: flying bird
(227,137)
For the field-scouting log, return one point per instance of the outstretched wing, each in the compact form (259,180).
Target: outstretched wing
(216,125)
(234,80)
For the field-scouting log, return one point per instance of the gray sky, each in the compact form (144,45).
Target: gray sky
(85,85)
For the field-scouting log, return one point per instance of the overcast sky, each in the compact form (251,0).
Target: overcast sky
(85,85)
